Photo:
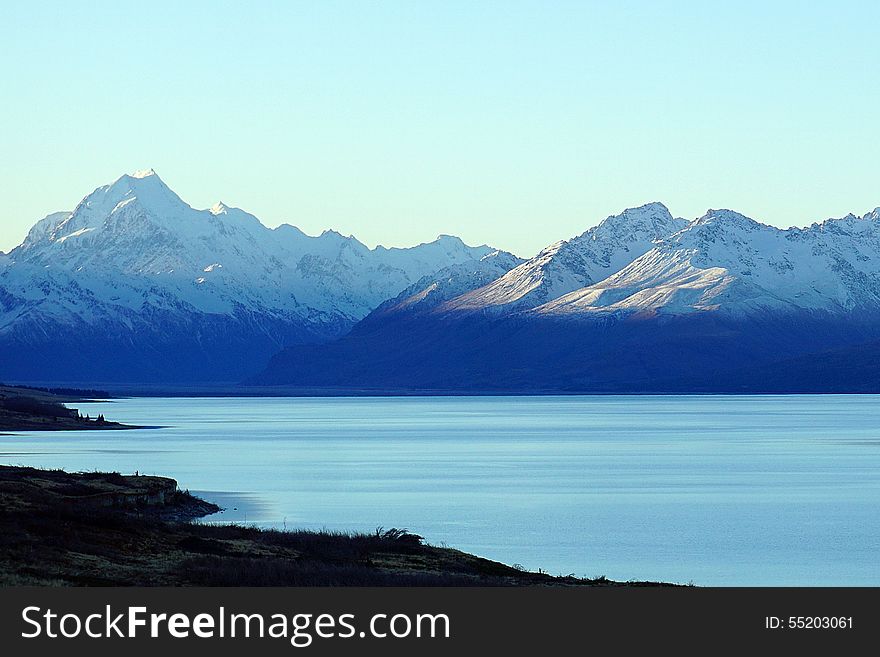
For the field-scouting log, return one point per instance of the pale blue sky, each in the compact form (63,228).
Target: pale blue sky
(512,123)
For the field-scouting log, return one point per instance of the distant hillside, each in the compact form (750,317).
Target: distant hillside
(26,409)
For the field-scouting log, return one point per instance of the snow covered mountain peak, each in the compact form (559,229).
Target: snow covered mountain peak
(132,247)
(634,226)
(449,240)
(219,208)
(723,230)
(728,219)
(873,215)
(148,192)
(130,205)
(145,183)
(725,261)
(866,224)
(452,244)
(568,265)
(650,216)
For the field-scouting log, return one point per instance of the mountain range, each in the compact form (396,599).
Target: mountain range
(643,302)
(135,286)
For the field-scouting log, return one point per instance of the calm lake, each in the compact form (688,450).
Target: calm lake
(715,490)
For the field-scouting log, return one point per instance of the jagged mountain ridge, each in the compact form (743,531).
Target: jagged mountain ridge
(569,265)
(432,291)
(217,259)
(135,285)
(135,270)
(723,304)
(729,263)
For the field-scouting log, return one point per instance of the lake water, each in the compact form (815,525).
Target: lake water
(715,490)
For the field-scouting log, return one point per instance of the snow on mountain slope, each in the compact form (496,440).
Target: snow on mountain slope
(431,291)
(569,265)
(722,304)
(136,241)
(726,261)
(135,259)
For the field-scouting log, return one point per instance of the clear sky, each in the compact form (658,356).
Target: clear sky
(510,123)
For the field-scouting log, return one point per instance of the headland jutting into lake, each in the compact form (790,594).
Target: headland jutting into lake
(108,529)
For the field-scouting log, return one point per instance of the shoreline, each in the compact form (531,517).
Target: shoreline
(236,390)
(36,409)
(15,429)
(108,529)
